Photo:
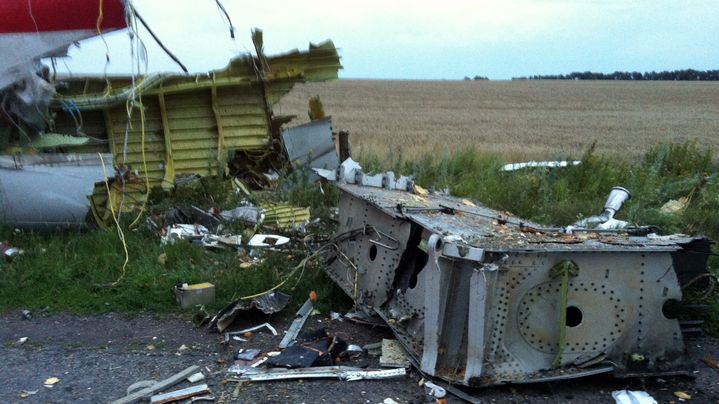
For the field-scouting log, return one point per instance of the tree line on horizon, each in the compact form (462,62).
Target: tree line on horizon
(673,75)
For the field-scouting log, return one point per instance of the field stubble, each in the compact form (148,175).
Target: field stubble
(518,120)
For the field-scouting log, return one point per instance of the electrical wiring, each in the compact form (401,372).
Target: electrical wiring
(120,233)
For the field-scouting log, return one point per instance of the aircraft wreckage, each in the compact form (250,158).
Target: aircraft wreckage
(478,297)
(73,145)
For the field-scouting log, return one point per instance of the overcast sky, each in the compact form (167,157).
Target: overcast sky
(446,39)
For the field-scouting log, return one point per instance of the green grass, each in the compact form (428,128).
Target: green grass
(70,270)
(66,270)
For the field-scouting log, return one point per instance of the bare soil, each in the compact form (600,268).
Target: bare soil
(97,357)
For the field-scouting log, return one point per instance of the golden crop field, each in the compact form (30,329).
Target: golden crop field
(520,120)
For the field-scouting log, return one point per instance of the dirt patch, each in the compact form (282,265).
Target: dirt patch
(97,357)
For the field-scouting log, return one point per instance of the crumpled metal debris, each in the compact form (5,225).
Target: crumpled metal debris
(267,303)
(171,234)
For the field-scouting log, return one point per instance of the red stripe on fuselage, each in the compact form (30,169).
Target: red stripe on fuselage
(18,16)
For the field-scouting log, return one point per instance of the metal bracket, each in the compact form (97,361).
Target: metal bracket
(381,234)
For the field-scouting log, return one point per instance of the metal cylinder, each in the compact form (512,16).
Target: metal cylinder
(616,199)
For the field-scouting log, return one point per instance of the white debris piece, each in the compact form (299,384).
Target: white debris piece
(533,164)
(632,397)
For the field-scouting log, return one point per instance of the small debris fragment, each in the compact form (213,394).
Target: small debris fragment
(393,354)
(247,354)
(202,398)
(51,381)
(142,384)
(632,397)
(297,323)
(675,206)
(434,390)
(247,333)
(267,241)
(28,393)
(362,318)
(21,341)
(267,303)
(179,394)
(313,296)
(375,349)
(26,315)
(9,252)
(711,362)
(159,386)
(682,395)
(196,377)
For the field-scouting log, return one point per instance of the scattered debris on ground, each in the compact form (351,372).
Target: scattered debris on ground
(474,296)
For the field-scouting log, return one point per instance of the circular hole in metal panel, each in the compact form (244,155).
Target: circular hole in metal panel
(372,252)
(574,316)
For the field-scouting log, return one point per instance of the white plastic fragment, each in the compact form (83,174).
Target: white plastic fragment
(632,397)
(533,164)
(196,377)
(434,390)
(259,362)
(267,240)
(170,234)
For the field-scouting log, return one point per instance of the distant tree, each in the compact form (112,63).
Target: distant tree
(683,75)
(481,78)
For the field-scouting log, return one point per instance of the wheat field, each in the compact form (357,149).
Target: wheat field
(520,120)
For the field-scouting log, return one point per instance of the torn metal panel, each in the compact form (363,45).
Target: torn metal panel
(45,28)
(195,124)
(48,189)
(300,318)
(311,145)
(267,303)
(474,296)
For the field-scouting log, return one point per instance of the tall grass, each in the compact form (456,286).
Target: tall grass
(70,270)
(561,196)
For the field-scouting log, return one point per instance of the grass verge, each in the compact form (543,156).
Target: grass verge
(65,270)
